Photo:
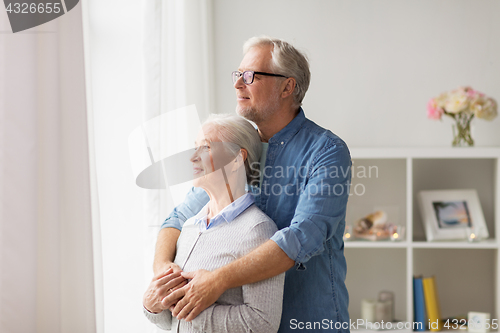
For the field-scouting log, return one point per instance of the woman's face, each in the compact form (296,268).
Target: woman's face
(211,155)
(202,158)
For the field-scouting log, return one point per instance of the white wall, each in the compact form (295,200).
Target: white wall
(374,64)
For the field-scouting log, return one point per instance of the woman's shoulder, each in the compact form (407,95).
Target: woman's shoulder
(251,228)
(254,217)
(255,212)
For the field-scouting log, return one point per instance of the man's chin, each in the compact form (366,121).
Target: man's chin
(246,112)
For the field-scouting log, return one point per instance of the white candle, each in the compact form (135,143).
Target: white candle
(368,310)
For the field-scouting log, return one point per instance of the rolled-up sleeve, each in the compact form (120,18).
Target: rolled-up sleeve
(321,207)
(195,200)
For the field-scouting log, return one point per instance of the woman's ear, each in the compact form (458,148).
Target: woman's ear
(244,154)
(240,159)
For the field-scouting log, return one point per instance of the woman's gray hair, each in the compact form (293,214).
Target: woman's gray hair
(235,129)
(286,60)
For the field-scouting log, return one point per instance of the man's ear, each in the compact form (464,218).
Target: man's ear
(288,87)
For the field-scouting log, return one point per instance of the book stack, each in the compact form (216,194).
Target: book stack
(427,312)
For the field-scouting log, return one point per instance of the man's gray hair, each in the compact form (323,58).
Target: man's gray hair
(286,60)
(235,129)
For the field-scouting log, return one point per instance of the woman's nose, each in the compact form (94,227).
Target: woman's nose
(194,157)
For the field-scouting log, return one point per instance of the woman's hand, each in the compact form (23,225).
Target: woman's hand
(160,287)
(202,291)
(164,267)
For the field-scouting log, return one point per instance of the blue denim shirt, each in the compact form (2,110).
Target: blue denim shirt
(304,190)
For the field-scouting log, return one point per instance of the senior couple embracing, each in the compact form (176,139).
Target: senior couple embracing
(254,251)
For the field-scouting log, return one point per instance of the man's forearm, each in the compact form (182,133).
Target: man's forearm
(264,262)
(165,248)
(205,288)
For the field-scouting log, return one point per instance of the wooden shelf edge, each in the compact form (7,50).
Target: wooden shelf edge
(425,152)
(487,244)
(376,244)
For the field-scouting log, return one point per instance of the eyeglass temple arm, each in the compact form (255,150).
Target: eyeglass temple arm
(269,74)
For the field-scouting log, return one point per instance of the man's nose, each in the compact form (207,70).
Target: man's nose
(239,83)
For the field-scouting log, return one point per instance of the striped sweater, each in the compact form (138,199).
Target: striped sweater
(254,307)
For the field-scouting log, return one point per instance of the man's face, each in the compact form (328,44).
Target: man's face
(260,100)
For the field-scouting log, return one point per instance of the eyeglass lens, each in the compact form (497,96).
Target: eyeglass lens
(247,76)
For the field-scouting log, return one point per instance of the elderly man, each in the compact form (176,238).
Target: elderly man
(304,187)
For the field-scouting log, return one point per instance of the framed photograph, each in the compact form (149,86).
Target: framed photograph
(446,214)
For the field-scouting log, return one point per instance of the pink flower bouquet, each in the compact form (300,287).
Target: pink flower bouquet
(462,104)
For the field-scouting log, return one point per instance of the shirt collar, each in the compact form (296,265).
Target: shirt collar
(293,127)
(228,214)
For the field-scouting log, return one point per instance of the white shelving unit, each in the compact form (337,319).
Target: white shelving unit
(390,178)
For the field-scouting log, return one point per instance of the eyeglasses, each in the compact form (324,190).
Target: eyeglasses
(248,76)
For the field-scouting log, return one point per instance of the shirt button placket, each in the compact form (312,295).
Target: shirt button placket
(265,191)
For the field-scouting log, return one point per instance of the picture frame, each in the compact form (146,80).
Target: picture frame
(447,214)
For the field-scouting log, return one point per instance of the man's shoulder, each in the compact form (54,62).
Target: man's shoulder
(321,138)
(321,133)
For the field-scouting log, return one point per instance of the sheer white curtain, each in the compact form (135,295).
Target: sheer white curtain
(46,258)
(152,58)
(178,73)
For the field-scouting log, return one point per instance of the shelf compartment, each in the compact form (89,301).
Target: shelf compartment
(455,174)
(465,278)
(369,272)
(378,184)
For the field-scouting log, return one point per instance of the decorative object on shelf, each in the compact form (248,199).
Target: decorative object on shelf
(419,304)
(376,311)
(474,233)
(479,322)
(368,310)
(347,233)
(397,233)
(373,227)
(462,104)
(383,311)
(447,213)
(387,297)
(432,306)
(385,326)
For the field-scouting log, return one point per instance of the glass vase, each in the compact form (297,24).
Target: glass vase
(462,133)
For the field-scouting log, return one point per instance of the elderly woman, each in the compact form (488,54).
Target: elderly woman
(227,228)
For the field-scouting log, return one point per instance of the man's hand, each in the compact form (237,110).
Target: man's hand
(161,286)
(201,292)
